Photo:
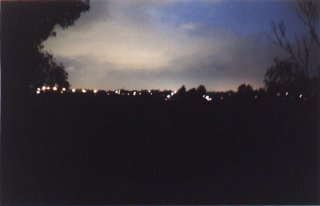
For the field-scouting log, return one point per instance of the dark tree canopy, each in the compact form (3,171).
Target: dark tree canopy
(182,90)
(295,72)
(245,89)
(285,76)
(201,90)
(25,25)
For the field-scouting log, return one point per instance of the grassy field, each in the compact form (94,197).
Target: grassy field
(77,149)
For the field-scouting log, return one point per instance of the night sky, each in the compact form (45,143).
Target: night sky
(128,44)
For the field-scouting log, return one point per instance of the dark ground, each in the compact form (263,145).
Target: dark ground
(120,150)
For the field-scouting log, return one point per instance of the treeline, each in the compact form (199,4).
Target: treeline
(244,91)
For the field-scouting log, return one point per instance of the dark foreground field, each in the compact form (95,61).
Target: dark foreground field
(86,149)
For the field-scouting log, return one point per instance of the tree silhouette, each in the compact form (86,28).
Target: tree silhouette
(245,89)
(301,51)
(201,90)
(182,91)
(285,76)
(192,91)
(25,25)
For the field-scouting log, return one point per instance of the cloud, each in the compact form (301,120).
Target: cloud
(126,44)
(188,26)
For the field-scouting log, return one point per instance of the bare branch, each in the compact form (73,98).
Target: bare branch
(307,55)
(297,40)
(300,49)
(309,14)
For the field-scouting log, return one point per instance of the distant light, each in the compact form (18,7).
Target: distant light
(287,93)
(300,96)
(95,91)
(278,94)
(48,88)
(84,91)
(221,98)
(134,93)
(204,96)
(172,93)
(38,89)
(38,92)
(73,90)
(256,97)
(64,89)
(55,88)
(149,91)
(208,98)
(168,96)
(43,88)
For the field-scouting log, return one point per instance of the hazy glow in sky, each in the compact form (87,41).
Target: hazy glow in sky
(164,44)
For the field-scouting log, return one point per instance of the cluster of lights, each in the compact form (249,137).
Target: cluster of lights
(279,94)
(170,95)
(47,88)
(38,91)
(134,93)
(287,93)
(206,97)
